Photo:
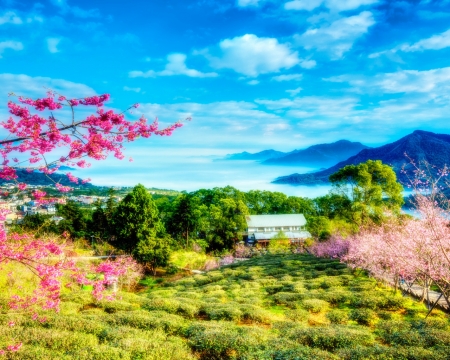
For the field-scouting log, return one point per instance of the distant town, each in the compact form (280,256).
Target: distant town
(19,204)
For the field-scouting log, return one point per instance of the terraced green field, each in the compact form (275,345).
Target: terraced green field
(272,307)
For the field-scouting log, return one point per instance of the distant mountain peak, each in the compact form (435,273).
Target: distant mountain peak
(420,145)
(322,155)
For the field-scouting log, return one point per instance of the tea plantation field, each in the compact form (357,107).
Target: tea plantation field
(273,307)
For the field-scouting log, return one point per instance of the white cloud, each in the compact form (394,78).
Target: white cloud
(294,92)
(253,82)
(52,44)
(75,10)
(245,3)
(10,17)
(435,81)
(334,5)
(303,4)
(435,42)
(344,5)
(337,37)
(13,45)
(126,88)
(270,129)
(33,87)
(288,77)
(252,56)
(175,66)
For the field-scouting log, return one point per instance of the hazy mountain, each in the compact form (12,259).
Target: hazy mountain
(419,146)
(320,155)
(259,156)
(38,178)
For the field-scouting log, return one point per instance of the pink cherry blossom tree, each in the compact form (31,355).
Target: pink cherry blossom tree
(43,134)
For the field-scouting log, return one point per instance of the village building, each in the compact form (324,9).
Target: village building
(262,228)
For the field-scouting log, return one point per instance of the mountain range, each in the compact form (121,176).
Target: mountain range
(38,178)
(259,156)
(419,146)
(321,155)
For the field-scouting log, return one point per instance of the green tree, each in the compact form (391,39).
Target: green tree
(279,243)
(333,205)
(226,220)
(371,187)
(102,217)
(319,227)
(135,219)
(153,252)
(76,221)
(185,217)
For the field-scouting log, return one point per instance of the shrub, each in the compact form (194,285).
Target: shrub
(222,312)
(337,316)
(333,337)
(391,353)
(364,316)
(169,323)
(315,305)
(297,315)
(286,298)
(337,296)
(273,289)
(255,314)
(222,341)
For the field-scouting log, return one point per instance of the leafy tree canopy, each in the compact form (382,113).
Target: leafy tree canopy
(371,187)
(136,218)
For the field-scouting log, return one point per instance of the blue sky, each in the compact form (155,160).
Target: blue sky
(252,74)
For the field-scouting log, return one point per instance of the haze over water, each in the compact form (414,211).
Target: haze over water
(194,173)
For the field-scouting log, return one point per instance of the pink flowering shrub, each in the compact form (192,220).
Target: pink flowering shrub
(336,247)
(226,260)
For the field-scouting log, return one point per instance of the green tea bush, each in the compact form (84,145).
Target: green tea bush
(328,283)
(202,279)
(337,316)
(255,314)
(273,289)
(88,324)
(392,353)
(297,315)
(391,302)
(337,296)
(364,316)
(283,349)
(169,305)
(222,312)
(169,323)
(332,337)
(222,341)
(188,282)
(158,346)
(57,340)
(315,305)
(111,307)
(286,298)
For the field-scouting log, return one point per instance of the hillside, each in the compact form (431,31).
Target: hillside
(289,306)
(419,146)
(321,154)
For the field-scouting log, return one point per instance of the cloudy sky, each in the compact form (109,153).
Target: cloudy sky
(252,74)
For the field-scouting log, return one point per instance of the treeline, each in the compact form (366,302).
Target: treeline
(148,226)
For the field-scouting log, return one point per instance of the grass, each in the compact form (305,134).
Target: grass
(282,307)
